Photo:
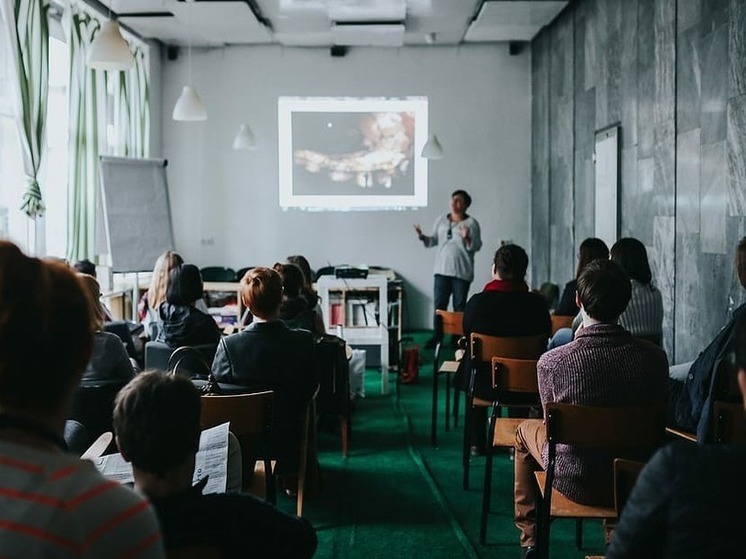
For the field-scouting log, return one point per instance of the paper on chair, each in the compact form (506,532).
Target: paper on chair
(212,461)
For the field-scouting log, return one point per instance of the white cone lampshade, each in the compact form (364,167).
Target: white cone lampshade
(245,138)
(432,148)
(109,50)
(189,106)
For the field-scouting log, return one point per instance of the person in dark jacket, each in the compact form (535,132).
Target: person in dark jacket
(162,450)
(590,249)
(270,356)
(690,400)
(182,323)
(689,499)
(507,308)
(295,309)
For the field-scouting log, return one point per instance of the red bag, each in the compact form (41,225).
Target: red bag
(409,371)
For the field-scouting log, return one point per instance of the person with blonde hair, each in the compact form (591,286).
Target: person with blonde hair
(109,361)
(268,355)
(156,294)
(52,504)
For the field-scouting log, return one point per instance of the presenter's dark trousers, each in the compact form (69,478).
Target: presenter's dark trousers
(443,288)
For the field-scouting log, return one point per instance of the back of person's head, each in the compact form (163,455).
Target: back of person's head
(741,262)
(157,421)
(464,195)
(261,292)
(93,292)
(292,279)
(511,262)
(85,267)
(591,249)
(302,263)
(161,273)
(184,285)
(631,255)
(604,290)
(45,332)
(550,292)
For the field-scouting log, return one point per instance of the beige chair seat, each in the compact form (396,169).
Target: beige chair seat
(505,428)
(564,507)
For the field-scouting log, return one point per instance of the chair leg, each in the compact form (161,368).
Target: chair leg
(434,418)
(345,428)
(579,533)
(447,413)
(465,458)
(456,398)
(487,489)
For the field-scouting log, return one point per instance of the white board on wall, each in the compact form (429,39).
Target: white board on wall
(607,185)
(137,213)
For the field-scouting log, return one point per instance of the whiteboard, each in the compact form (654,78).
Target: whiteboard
(607,185)
(137,213)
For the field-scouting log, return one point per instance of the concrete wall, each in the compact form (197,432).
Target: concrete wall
(225,203)
(672,73)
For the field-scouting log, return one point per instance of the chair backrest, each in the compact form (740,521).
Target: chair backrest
(559,321)
(121,328)
(484,347)
(633,427)
(241,272)
(192,361)
(626,473)
(250,417)
(728,423)
(449,322)
(93,406)
(218,273)
(514,375)
(334,377)
(157,355)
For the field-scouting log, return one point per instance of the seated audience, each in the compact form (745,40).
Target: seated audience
(295,310)
(109,361)
(162,450)
(182,323)
(643,317)
(604,366)
(307,290)
(693,384)
(156,293)
(689,500)
(504,308)
(590,249)
(269,355)
(85,267)
(51,503)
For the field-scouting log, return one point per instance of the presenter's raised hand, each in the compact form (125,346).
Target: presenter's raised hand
(464,232)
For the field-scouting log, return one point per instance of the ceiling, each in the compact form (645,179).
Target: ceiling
(325,23)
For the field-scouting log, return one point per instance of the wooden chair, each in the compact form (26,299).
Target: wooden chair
(626,473)
(482,349)
(631,430)
(250,417)
(510,377)
(728,423)
(559,321)
(446,323)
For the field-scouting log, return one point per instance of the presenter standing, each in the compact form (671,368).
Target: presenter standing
(457,237)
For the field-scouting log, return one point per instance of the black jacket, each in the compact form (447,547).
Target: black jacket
(271,356)
(505,314)
(566,305)
(186,325)
(687,503)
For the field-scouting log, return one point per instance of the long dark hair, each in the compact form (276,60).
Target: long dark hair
(591,249)
(631,255)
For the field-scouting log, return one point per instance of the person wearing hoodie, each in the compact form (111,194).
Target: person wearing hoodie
(184,324)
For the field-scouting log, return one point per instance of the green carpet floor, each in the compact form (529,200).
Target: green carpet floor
(397,496)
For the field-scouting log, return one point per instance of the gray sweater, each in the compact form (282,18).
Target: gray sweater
(455,257)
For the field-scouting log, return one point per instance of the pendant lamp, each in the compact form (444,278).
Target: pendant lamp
(245,138)
(432,148)
(189,107)
(109,50)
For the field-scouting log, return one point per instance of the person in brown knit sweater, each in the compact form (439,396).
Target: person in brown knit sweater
(603,366)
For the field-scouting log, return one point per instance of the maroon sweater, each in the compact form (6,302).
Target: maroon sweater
(603,366)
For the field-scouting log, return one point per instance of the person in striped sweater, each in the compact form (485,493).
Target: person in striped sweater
(604,366)
(53,504)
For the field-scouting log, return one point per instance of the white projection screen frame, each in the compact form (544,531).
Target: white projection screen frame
(607,185)
(352,153)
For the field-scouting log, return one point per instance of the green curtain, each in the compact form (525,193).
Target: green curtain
(26,24)
(132,108)
(87,106)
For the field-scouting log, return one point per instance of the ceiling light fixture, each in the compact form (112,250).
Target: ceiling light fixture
(109,50)
(245,138)
(189,107)
(432,148)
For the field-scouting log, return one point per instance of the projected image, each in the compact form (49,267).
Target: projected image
(343,153)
